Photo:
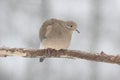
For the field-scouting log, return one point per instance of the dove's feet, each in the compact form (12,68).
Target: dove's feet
(48,52)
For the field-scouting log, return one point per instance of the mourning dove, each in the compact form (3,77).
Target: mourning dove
(56,34)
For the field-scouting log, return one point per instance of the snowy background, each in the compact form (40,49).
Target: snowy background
(99,24)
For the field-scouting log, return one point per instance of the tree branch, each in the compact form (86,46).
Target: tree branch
(99,57)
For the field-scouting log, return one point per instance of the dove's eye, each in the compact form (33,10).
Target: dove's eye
(71,26)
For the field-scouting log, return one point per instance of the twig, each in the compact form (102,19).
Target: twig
(99,57)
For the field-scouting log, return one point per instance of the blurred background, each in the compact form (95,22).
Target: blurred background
(99,24)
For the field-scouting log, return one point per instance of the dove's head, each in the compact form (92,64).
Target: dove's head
(72,26)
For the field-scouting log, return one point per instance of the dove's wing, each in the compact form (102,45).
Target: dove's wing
(49,27)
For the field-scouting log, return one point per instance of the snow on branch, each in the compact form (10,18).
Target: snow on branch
(99,57)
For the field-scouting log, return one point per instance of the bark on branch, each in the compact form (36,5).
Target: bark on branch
(99,57)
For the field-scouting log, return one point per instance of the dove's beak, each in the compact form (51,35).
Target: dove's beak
(77,30)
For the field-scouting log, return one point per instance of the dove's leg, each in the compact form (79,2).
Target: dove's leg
(48,52)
